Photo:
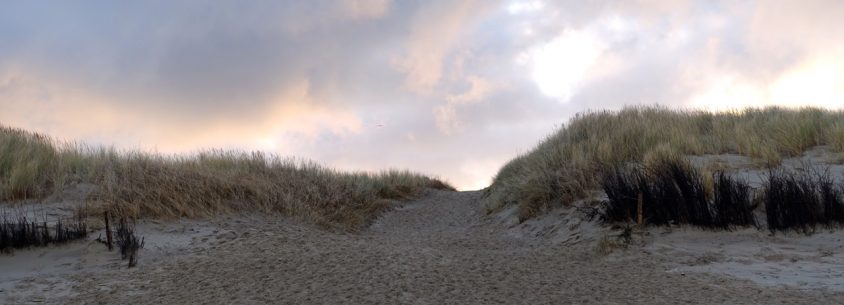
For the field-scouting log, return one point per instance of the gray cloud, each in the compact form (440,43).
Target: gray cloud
(444,87)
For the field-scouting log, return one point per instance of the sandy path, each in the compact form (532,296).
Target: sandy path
(436,250)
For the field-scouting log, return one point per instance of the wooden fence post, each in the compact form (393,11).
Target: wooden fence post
(639,218)
(108,231)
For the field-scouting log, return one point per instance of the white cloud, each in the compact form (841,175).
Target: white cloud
(819,81)
(522,6)
(561,65)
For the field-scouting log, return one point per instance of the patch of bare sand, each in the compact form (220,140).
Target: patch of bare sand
(783,260)
(440,249)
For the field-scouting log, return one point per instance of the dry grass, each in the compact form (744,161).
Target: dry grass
(836,136)
(607,244)
(564,166)
(137,184)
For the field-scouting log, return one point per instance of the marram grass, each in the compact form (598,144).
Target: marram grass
(570,162)
(138,184)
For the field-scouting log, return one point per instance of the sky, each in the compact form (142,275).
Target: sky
(453,89)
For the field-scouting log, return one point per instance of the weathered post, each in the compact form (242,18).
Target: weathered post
(108,231)
(639,218)
(46,234)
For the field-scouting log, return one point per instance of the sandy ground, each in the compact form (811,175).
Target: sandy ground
(440,249)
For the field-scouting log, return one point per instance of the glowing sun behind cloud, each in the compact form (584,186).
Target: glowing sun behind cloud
(817,82)
(561,65)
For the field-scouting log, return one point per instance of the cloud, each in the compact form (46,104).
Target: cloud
(700,53)
(365,8)
(451,88)
(560,65)
(446,115)
(434,31)
(70,113)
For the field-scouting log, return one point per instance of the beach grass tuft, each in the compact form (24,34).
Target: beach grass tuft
(573,160)
(135,184)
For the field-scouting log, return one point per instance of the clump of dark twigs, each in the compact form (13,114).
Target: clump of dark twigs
(672,192)
(21,232)
(801,201)
(128,243)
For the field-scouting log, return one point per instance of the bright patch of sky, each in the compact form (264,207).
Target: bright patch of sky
(448,88)
(560,65)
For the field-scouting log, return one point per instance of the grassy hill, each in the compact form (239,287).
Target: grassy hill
(570,163)
(140,184)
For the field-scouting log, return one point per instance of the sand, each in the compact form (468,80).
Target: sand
(440,249)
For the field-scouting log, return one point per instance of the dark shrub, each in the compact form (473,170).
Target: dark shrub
(791,202)
(623,187)
(677,195)
(802,201)
(128,242)
(831,198)
(673,192)
(731,202)
(20,232)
